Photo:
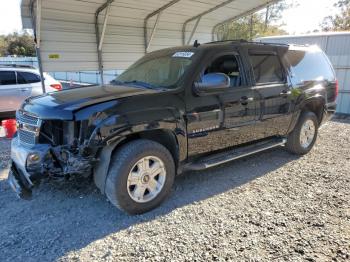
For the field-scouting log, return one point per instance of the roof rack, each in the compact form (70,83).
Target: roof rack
(226,41)
(243,41)
(17,66)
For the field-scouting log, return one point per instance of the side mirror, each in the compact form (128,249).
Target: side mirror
(213,82)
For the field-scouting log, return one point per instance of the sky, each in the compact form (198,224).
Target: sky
(306,15)
(300,19)
(10,16)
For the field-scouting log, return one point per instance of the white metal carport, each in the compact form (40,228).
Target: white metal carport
(76,35)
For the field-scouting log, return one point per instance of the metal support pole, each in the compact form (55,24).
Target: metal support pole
(99,53)
(145,23)
(249,12)
(194,30)
(251,27)
(38,55)
(153,31)
(36,21)
(201,15)
(99,39)
(104,27)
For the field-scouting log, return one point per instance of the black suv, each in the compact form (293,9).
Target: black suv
(177,109)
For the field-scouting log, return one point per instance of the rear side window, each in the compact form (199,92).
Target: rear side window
(309,66)
(7,78)
(267,68)
(27,78)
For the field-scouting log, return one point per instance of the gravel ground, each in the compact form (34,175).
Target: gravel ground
(271,206)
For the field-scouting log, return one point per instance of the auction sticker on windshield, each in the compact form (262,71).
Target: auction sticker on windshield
(183,54)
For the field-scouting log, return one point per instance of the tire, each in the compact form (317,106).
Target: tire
(127,176)
(294,140)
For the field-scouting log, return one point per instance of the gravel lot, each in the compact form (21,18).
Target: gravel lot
(271,206)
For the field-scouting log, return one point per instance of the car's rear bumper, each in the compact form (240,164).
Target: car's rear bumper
(329,111)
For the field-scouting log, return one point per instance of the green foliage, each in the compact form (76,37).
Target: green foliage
(257,25)
(3,46)
(248,28)
(338,22)
(17,44)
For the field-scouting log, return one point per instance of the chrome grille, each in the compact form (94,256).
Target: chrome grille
(26,137)
(27,119)
(28,128)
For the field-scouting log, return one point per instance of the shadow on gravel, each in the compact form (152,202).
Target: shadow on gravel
(67,217)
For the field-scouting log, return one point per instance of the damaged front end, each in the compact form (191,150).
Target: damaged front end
(48,149)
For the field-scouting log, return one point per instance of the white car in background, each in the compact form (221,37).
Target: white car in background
(18,82)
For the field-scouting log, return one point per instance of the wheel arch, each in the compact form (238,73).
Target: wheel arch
(315,105)
(165,137)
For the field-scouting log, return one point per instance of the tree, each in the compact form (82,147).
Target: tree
(248,28)
(3,46)
(259,24)
(340,21)
(17,44)
(273,13)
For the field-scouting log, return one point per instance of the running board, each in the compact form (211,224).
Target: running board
(222,158)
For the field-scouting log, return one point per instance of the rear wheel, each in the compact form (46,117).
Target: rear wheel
(140,177)
(301,140)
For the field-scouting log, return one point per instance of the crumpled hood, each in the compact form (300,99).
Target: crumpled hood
(62,104)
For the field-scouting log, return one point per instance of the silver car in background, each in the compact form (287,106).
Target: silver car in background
(18,82)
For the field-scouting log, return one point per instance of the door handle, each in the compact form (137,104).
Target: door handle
(285,93)
(24,89)
(245,100)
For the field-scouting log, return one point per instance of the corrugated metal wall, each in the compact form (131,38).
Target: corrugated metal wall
(337,47)
(68,29)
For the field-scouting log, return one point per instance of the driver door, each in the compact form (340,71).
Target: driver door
(224,119)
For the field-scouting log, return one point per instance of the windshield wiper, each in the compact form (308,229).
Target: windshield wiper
(116,82)
(137,83)
(143,84)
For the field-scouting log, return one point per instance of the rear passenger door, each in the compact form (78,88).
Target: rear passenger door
(273,92)
(30,81)
(11,94)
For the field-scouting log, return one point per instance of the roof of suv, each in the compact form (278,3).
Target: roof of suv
(302,47)
(13,67)
(249,44)
(221,44)
(245,42)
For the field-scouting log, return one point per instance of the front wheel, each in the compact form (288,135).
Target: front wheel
(301,140)
(140,177)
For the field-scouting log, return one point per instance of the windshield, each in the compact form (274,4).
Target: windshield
(159,72)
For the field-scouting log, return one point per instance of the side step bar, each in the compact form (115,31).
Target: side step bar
(222,158)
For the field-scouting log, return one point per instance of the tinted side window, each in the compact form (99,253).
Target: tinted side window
(226,64)
(7,78)
(267,68)
(309,66)
(26,77)
(20,79)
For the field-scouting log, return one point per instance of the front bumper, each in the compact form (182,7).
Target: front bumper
(19,183)
(23,173)
(31,163)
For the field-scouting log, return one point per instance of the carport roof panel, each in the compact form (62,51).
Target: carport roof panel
(66,22)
